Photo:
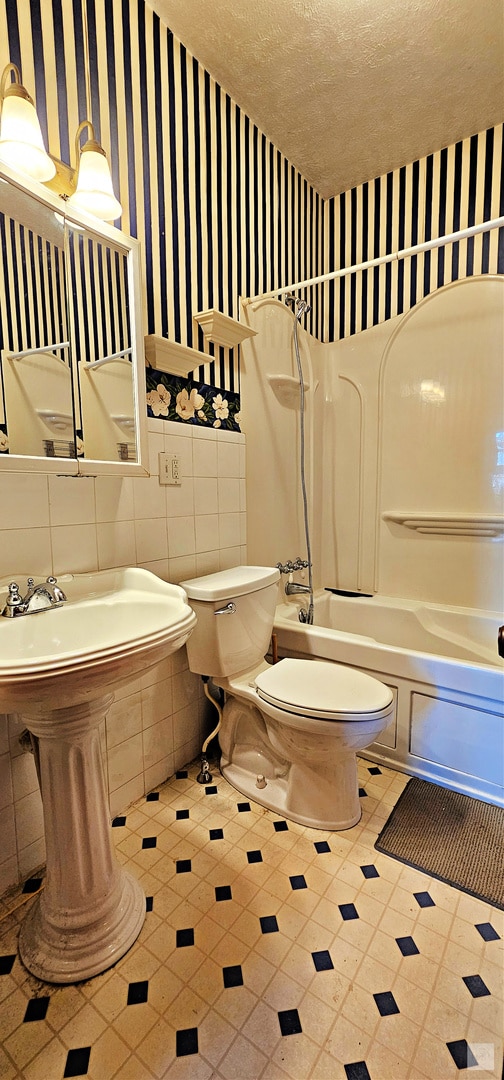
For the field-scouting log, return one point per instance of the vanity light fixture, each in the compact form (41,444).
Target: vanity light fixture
(21,143)
(93,192)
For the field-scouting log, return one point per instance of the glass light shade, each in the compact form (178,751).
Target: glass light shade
(94,193)
(21,143)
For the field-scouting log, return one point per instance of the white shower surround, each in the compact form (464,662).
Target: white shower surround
(405,459)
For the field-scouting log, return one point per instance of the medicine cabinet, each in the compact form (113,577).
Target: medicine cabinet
(72,389)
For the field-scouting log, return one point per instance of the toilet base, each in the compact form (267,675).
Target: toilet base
(327,802)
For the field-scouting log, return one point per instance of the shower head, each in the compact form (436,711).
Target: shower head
(299,307)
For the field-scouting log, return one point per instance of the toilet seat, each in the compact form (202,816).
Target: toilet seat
(323,691)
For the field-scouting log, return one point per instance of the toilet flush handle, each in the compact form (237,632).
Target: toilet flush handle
(229,609)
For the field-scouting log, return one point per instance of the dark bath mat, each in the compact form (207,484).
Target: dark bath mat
(450,836)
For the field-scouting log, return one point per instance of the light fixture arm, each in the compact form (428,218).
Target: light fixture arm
(15,87)
(90,144)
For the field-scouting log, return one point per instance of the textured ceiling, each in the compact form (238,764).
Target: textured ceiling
(350,89)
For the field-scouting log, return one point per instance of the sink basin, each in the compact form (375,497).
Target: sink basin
(113,625)
(58,670)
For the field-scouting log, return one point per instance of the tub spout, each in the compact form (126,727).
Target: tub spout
(292,588)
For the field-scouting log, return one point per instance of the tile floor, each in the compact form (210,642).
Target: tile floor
(268,951)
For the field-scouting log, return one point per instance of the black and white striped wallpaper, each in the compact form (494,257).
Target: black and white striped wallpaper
(459,186)
(219,211)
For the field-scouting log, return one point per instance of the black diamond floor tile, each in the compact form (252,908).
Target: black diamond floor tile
(77,1062)
(321,846)
(153,796)
(183,866)
(357,1070)
(7,963)
(181,815)
(375,771)
(487,931)
(223,892)
(407,946)
(348,911)
(36,1009)
(138,992)
(423,899)
(290,1023)
(280,826)
(254,856)
(149,842)
(269,924)
(149,903)
(212,790)
(386,1003)
(322,960)
(462,1054)
(298,881)
(216,834)
(32,885)
(233,976)
(187,1042)
(476,986)
(370,871)
(118,822)
(185,938)
(243,807)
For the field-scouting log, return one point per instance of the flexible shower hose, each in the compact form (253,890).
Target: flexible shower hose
(309,618)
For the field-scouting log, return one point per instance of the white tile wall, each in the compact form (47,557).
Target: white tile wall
(63,524)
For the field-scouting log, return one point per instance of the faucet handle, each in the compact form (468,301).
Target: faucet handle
(14,601)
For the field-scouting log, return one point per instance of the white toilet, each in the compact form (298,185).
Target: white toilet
(290,731)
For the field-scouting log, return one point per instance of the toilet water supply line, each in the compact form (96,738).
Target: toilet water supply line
(204,776)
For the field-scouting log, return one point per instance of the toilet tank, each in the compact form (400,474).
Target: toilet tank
(229,640)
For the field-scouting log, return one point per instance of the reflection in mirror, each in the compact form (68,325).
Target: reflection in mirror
(37,412)
(100,336)
(72,375)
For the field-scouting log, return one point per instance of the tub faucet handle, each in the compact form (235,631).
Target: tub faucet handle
(290,567)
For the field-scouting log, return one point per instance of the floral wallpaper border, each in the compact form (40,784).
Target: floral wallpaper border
(170,397)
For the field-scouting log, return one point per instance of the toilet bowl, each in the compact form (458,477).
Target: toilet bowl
(290,731)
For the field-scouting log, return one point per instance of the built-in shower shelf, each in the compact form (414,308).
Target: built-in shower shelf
(171,356)
(449,524)
(286,389)
(221,329)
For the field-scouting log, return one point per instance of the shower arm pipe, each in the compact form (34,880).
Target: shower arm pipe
(404,253)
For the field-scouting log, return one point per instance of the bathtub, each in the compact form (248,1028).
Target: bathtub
(443,668)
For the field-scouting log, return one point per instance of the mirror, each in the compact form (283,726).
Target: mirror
(72,393)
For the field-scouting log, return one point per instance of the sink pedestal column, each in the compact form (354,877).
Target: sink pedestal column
(91,910)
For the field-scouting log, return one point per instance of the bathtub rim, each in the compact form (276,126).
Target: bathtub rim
(476,680)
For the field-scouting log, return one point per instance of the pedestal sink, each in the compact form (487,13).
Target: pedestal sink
(58,670)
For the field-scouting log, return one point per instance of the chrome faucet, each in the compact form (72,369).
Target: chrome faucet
(38,598)
(290,568)
(292,587)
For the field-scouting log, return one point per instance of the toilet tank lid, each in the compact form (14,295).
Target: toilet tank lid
(236,581)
